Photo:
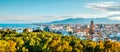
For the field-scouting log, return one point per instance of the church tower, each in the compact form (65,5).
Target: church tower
(91,30)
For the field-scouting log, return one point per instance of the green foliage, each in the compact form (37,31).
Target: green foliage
(11,41)
(7,46)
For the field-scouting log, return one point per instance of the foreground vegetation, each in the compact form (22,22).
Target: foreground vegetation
(11,41)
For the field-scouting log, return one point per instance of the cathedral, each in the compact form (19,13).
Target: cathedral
(91,29)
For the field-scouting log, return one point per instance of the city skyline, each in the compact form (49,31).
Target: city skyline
(34,11)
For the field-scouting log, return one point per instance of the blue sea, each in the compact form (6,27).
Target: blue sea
(18,25)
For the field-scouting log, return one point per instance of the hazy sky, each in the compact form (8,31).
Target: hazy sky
(39,11)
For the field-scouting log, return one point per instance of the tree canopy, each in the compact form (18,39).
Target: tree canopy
(11,41)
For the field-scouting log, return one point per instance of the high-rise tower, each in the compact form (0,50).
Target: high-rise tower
(91,30)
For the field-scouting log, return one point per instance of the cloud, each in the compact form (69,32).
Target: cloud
(114,15)
(43,19)
(110,9)
(115,18)
(105,6)
(29,19)
(78,15)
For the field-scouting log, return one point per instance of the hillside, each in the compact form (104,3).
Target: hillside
(85,21)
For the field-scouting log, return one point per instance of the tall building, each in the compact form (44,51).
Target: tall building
(91,29)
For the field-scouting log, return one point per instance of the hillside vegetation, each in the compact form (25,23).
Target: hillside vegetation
(11,41)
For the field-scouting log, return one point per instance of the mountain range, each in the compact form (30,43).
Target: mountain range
(85,21)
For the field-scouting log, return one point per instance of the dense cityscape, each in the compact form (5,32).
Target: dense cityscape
(90,31)
(93,31)
(61,38)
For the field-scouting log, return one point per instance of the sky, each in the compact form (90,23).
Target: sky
(42,11)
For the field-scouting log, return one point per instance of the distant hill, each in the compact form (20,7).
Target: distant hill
(85,21)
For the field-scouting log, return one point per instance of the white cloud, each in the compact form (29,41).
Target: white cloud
(78,15)
(29,19)
(105,6)
(110,9)
(115,18)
